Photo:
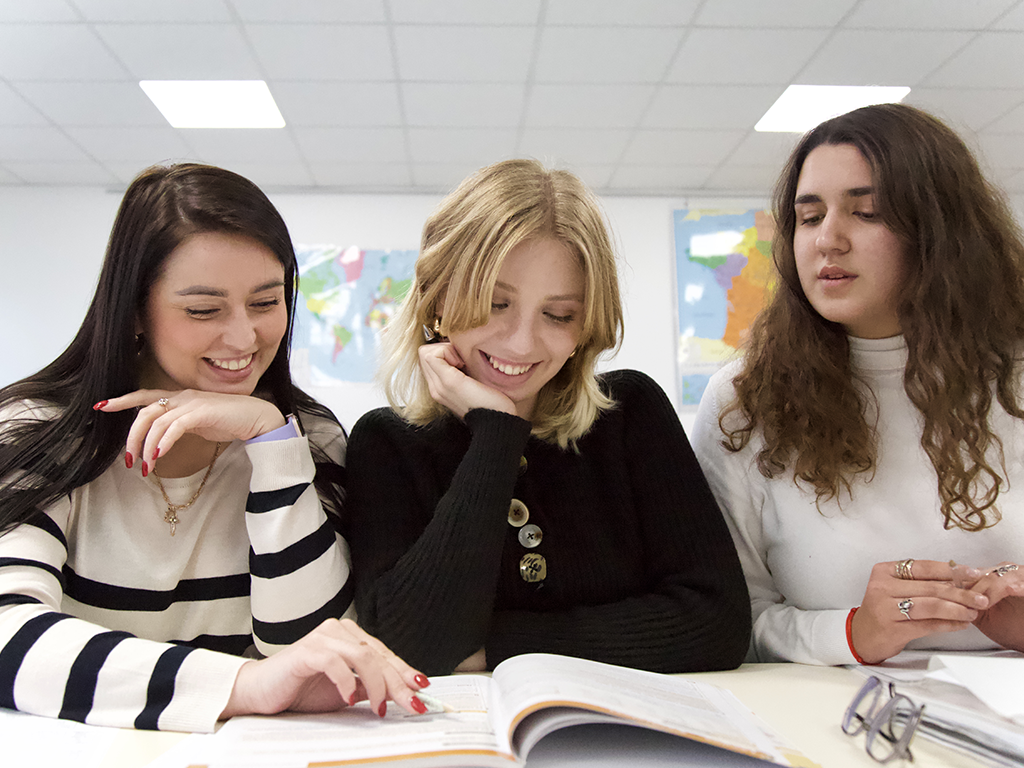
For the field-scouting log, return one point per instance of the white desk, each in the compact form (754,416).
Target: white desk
(804,704)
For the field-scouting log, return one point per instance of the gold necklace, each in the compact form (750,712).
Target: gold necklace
(171,515)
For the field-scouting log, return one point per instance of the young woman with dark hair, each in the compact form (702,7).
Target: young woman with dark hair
(160,515)
(513,500)
(871,435)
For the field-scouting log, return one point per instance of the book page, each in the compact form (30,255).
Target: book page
(356,735)
(532,683)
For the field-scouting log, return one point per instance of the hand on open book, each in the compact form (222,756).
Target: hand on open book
(335,665)
(1003,621)
(897,610)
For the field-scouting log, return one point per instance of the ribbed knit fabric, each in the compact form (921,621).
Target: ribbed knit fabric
(107,619)
(641,571)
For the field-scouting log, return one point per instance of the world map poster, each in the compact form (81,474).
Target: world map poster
(723,274)
(346,296)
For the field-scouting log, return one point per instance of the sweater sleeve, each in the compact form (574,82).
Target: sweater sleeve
(56,665)
(781,632)
(426,552)
(298,563)
(694,615)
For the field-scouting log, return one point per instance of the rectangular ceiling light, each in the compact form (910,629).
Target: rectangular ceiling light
(802,107)
(214,103)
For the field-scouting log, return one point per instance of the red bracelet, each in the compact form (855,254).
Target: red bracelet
(849,635)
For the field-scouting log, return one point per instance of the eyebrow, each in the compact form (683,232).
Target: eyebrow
(559,297)
(855,192)
(205,290)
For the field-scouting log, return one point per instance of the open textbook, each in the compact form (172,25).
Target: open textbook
(497,720)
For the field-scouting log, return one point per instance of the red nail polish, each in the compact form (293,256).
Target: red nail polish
(156,454)
(382,709)
(145,469)
(100,404)
(352,699)
(128,460)
(421,681)
(419,706)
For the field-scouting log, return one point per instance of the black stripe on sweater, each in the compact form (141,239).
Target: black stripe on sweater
(44,522)
(14,599)
(285,632)
(13,654)
(236,645)
(112,597)
(161,687)
(81,686)
(6,562)
(303,552)
(267,501)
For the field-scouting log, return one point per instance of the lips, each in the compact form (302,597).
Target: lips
(833,273)
(232,364)
(508,368)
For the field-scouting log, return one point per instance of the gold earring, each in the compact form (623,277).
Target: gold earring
(437,325)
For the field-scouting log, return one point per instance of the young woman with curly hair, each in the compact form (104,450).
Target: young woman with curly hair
(871,436)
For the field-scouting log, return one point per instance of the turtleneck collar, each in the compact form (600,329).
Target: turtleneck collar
(878,354)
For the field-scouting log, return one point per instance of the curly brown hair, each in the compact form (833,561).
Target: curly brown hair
(961,312)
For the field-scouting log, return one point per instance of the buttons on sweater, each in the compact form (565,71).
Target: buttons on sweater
(533,567)
(518,514)
(530,536)
(523,464)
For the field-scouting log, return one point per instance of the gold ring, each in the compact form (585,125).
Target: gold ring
(904,569)
(163,401)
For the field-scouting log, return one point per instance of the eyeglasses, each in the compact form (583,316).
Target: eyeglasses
(890,724)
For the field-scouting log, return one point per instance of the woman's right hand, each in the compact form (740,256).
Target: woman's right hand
(335,665)
(441,365)
(881,630)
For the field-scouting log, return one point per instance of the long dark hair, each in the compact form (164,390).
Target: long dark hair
(42,459)
(961,312)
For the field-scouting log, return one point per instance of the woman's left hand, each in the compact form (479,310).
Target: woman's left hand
(1003,620)
(164,416)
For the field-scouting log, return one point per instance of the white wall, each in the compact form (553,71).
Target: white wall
(52,242)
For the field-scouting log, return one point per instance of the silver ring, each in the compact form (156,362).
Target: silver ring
(163,401)
(904,569)
(1002,570)
(905,605)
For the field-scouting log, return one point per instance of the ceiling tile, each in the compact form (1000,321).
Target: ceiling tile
(651,147)
(323,51)
(1014,182)
(765,14)
(638,178)
(464,12)
(55,52)
(1011,122)
(133,11)
(442,177)
(927,14)
(464,54)
(36,10)
(352,145)
(587,106)
(362,175)
(974,108)
(229,146)
(62,174)
(476,146)
(122,104)
(463,105)
(596,177)
(753,179)
(181,51)
(710,106)
(1012,20)
(771,149)
(605,54)
(270,175)
(562,146)
(616,13)
(7,178)
(334,103)
(15,110)
(867,57)
(1002,151)
(744,56)
(304,11)
(145,146)
(992,59)
(38,143)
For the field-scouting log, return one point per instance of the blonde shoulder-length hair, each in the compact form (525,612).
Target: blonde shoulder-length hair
(464,243)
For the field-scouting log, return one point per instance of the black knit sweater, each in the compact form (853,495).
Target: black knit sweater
(641,570)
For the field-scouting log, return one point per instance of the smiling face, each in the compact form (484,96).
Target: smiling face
(215,317)
(536,320)
(851,265)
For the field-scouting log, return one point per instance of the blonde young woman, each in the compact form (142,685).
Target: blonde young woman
(512,500)
(867,448)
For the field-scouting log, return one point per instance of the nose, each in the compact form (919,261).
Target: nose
(521,335)
(832,236)
(240,332)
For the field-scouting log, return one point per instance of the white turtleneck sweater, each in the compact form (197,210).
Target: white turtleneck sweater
(807,568)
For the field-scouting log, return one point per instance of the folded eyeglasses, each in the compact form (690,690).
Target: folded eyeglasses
(890,723)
